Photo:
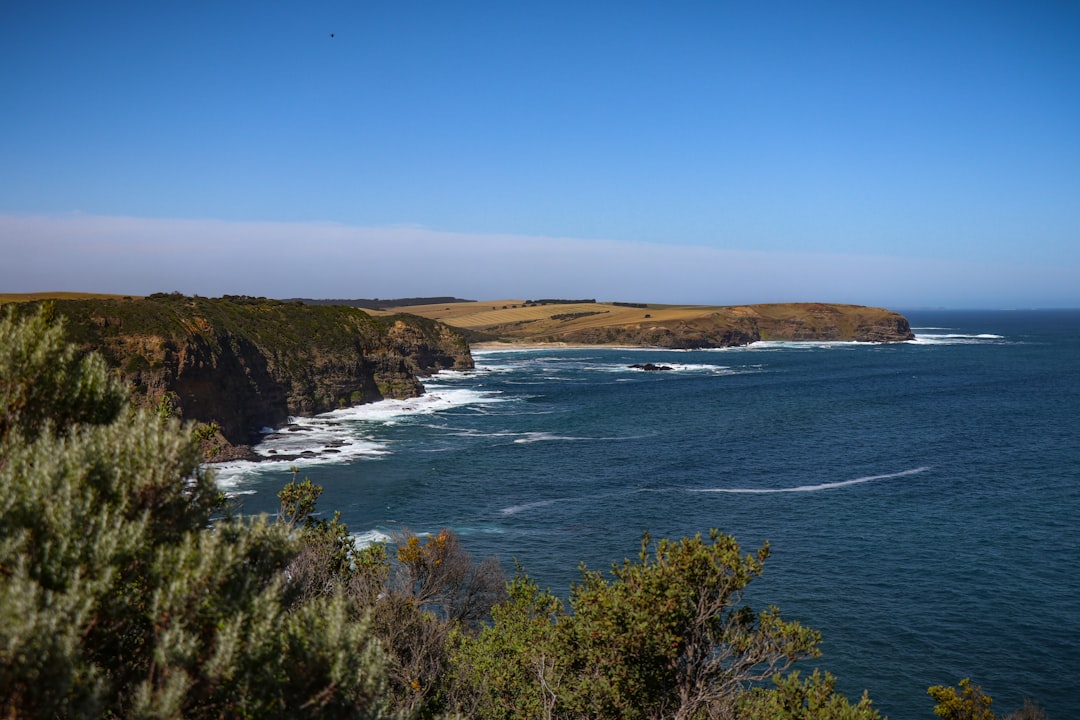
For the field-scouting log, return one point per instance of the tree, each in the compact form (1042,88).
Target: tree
(121,595)
(505,672)
(440,576)
(969,702)
(814,698)
(665,637)
(46,382)
(433,592)
(430,591)
(298,500)
(1029,711)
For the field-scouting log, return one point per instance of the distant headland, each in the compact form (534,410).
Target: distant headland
(589,322)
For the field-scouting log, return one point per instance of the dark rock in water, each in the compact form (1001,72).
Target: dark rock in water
(650,367)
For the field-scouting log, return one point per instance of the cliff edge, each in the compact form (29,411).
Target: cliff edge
(238,365)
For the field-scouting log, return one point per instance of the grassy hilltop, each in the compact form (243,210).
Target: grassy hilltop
(677,326)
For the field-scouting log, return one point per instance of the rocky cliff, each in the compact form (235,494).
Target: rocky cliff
(238,365)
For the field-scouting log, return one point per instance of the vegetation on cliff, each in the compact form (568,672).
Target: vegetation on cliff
(125,591)
(239,364)
(588,322)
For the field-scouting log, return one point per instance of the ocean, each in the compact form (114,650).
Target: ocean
(921,499)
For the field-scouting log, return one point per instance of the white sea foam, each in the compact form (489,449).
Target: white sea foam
(515,509)
(532,437)
(369,537)
(954,338)
(815,488)
(304,442)
(551,367)
(339,436)
(770,345)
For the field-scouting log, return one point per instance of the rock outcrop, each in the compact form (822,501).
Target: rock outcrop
(239,365)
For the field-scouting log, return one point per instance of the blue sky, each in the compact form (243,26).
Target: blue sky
(900,154)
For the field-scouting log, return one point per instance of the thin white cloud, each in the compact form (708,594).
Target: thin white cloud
(93,253)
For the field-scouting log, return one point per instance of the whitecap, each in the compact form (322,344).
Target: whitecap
(496,368)
(532,437)
(473,433)
(815,488)
(954,338)
(515,509)
(369,537)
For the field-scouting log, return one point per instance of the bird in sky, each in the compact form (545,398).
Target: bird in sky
(331,34)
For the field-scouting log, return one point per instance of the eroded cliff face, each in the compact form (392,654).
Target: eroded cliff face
(240,365)
(824,321)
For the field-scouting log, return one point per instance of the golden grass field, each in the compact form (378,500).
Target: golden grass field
(494,313)
(515,321)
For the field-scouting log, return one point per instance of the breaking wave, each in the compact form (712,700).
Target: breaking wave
(955,339)
(343,435)
(815,488)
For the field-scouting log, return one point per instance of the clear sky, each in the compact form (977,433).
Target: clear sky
(902,154)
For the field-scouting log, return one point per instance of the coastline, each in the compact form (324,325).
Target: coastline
(494,346)
(522,346)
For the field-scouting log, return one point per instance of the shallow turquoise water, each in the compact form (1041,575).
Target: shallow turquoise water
(921,499)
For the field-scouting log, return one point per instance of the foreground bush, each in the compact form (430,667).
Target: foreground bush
(118,597)
(665,637)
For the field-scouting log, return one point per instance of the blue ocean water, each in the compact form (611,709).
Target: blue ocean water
(921,499)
